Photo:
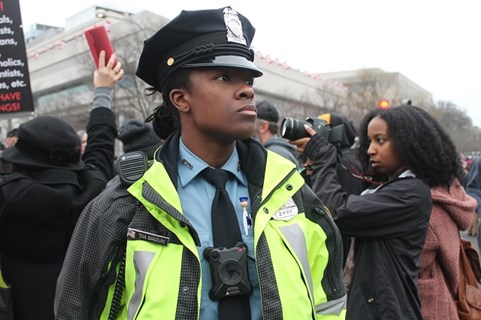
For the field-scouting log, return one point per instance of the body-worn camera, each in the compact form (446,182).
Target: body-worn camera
(293,129)
(229,273)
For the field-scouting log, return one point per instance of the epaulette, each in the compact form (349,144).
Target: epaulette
(131,166)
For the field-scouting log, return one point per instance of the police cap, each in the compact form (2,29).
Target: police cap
(194,39)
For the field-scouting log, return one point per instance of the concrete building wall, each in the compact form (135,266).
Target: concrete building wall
(399,88)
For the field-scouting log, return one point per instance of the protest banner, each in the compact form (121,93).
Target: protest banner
(15,92)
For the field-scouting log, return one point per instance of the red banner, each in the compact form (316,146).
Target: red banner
(15,91)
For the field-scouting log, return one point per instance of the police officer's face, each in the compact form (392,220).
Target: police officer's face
(221,104)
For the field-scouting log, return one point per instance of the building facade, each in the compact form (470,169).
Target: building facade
(61,68)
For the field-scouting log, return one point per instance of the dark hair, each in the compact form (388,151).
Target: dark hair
(421,142)
(165,118)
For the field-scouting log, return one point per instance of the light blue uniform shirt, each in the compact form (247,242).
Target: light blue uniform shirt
(196,196)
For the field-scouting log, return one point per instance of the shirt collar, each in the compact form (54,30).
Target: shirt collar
(407,174)
(191,165)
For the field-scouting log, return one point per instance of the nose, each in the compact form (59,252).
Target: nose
(371,150)
(246,91)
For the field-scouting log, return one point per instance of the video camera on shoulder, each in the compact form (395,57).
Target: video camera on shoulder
(293,129)
(229,273)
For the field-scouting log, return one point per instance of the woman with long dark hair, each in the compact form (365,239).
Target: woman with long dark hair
(405,153)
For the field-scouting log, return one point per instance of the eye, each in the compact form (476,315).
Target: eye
(223,77)
(250,82)
(380,140)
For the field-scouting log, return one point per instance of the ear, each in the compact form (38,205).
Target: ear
(264,127)
(180,99)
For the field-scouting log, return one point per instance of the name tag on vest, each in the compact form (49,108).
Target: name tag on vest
(135,234)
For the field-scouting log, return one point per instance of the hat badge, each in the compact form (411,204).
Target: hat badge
(233,26)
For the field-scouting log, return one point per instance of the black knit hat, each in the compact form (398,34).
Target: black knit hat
(194,39)
(46,142)
(267,111)
(139,136)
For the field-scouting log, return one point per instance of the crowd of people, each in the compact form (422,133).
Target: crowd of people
(225,218)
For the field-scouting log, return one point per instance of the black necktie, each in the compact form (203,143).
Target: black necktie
(226,233)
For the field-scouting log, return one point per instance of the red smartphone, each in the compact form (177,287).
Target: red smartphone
(98,40)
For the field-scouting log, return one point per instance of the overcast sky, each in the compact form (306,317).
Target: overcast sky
(436,44)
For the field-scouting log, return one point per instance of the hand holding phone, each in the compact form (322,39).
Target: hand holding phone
(98,40)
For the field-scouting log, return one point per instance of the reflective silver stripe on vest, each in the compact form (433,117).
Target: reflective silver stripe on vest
(295,237)
(333,307)
(142,261)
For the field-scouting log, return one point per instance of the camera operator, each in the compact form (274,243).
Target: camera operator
(389,222)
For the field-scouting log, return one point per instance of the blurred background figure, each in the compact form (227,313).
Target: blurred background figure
(473,188)
(137,135)
(267,129)
(10,140)
(12,137)
(82,134)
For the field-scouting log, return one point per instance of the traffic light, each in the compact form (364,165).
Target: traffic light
(383,104)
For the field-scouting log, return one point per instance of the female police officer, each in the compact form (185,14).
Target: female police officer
(152,251)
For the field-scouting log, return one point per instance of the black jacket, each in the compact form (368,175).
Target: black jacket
(38,212)
(390,227)
(348,169)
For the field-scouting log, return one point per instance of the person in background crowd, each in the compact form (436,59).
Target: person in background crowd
(467,163)
(10,140)
(83,140)
(3,167)
(389,222)
(473,188)
(137,135)
(12,137)
(157,249)
(267,131)
(44,192)
(453,210)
